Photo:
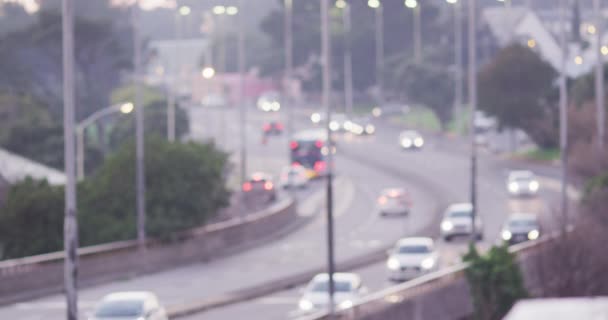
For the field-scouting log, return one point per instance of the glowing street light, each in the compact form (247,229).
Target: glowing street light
(373,4)
(208,72)
(412,4)
(341,4)
(232,10)
(578,60)
(184,10)
(604,50)
(452,1)
(531,43)
(219,10)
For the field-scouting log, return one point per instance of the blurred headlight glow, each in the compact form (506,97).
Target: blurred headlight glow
(506,235)
(346,304)
(534,185)
(418,142)
(377,112)
(447,226)
(315,118)
(513,187)
(533,235)
(393,264)
(428,263)
(334,126)
(370,129)
(305,305)
(406,143)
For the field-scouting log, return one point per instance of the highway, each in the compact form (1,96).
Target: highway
(436,176)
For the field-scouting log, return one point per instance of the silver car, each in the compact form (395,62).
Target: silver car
(393,201)
(348,288)
(412,257)
(520,227)
(135,305)
(457,221)
(522,183)
(411,140)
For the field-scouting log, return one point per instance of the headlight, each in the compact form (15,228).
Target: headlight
(447,226)
(428,263)
(418,142)
(377,112)
(506,235)
(275,106)
(533,235)
(370,129)
(334,126)
(315,118)
(348,125)
(534,185)
(346,304)
(513,187)
(406,143)
(393,264)
(305,305)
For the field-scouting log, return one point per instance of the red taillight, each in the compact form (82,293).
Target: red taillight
(247,186)
(382,200)
(293,145)
(268,185)
(266,127)
(296,164)
(279,126)
(319,144)
(319,166)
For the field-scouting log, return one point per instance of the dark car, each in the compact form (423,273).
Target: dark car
(259,189)
(273,128)
(520,227)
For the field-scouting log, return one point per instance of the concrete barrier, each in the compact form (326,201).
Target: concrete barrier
(41,275)
(442,295)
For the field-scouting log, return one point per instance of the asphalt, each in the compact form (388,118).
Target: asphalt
(435,176)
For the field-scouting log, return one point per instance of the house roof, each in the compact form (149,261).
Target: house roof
(15,168)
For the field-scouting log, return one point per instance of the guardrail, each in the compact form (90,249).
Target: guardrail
(35,276)
(442,295)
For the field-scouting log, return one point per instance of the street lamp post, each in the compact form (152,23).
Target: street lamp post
(182,12)
(599,76)
(473,102)
(375,4)
(326,58)
(242,101)
(124,108)
(70,224)
(287,83)
(458,79)
(348,64)
(415,6)
(563,110)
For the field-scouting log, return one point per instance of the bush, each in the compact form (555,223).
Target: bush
(185,187)
(496,282)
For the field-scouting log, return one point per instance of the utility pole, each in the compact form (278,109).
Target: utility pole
(70,224)
(222,72)
(458,87)
(380,52)
(417,33)
(599,77)
(288,31)
(563,111)
(140,179)
(473,103)
(326,58)
(348,63)
(242,100)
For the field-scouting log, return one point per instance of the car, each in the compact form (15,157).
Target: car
(213,101)
(520,227)
(259,187)
(457,222)
(412,257)
(521,183)
(269,102)
(273,128)
(317,118)
(294,177)
(338,122)
(411,140)
(134,305)
(360,126)
(393,201)
(348,288)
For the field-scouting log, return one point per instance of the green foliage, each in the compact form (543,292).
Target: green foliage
(495,281)
(583,87)
(31,221)
(185,187)
(515,88)
(545,155)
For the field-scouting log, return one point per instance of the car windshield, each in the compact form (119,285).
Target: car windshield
(339,286)
(414,249)
(522,223)
(459,214)
(120,308)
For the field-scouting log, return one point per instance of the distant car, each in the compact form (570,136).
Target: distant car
(412,257)
(338,122)
(394,201)
(269,102)
(136,305)
(259,187)
(457,222)
(294,177)
(520,227)
(522,183)
(360,126)
(348,288)
(411,140)
(273,128)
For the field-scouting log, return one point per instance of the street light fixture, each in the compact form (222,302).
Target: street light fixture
(219,10)
(373,4)
(413,4)
(341,4)
(184,10)
(208,72)
(232,10)
(458,58)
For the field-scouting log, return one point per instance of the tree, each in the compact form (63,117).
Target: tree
(516,88)
(495,280)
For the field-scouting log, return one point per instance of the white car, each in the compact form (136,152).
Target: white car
(338,122)
(394,201)
(411,140)
(269,102)
(457,221)
(522,183)
(347,290)
(135,305)
(412,257)
(294,176)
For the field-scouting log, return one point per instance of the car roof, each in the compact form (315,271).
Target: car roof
(520,174)
(257,176)
(129,295)
(425,241)
(338,276)
(393,190)
(522,216)
(460,207)
(410,133)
